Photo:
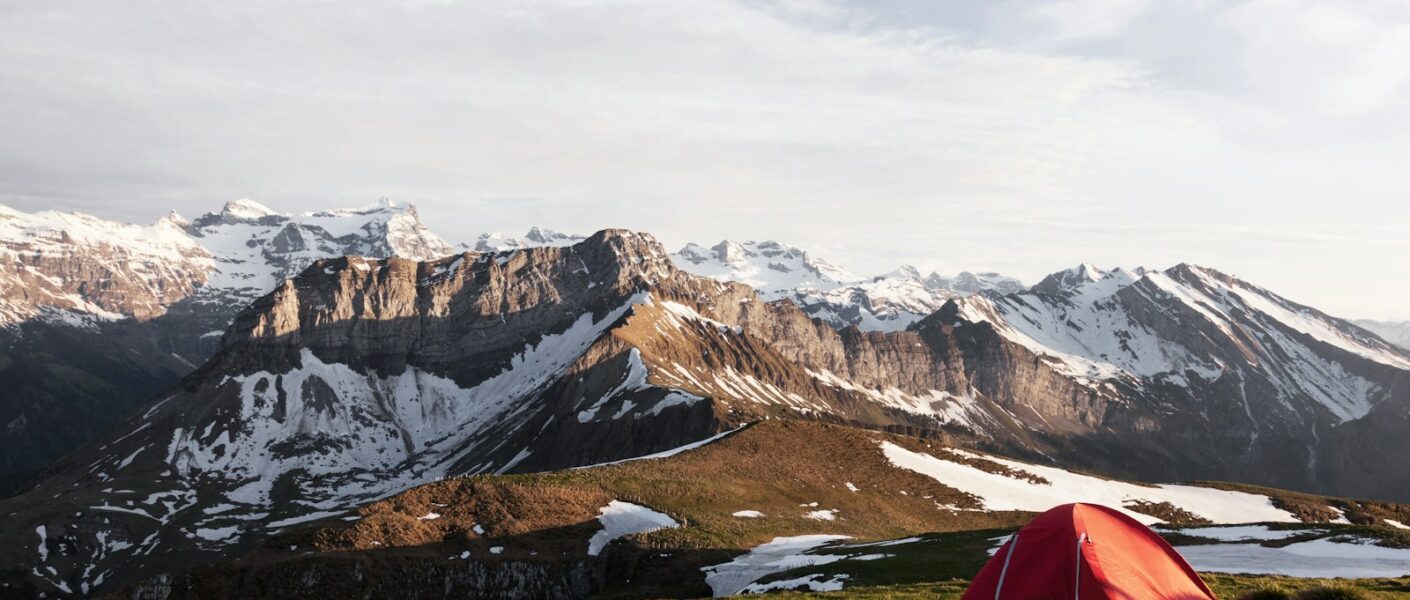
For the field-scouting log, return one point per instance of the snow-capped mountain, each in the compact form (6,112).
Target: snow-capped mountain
(888,302)
(1281,390)
(536,237)
(254,248)
(61,261)
(361,377)
(1081,276)
(776,270)
(976,283)
(97,316)
(894,301)
(109,270)
(524,360)
(1395,332)
(1089,330)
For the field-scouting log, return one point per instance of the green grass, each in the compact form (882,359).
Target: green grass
(948,590)
(935,558)
(939,565)
(1233,586)
(1228,587)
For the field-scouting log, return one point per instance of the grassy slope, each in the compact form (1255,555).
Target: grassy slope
(777,467)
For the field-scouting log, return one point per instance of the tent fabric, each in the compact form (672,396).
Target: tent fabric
(1086,552)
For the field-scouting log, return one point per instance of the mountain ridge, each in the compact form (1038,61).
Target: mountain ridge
(361,377)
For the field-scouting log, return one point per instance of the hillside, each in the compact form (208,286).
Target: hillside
(803,481)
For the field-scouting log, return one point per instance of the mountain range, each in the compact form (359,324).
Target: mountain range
(1395,332)
(98,317)
(888,302)
(278,370)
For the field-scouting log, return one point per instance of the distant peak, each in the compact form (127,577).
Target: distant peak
(246,209)
(386,204)
(537,236)
(623,234)
(903,272)
(1070,279)
(1189,272)
(545,236)
(728,250)
(175,219)
(971,282)
(1089,271)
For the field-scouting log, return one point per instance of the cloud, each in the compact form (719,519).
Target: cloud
(991,134)
(1339,58)
(1078,19)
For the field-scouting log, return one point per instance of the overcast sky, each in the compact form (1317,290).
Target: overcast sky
(1267,138)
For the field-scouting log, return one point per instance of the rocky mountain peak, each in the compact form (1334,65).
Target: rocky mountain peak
(537,236)
(1069,279)
(80,263)
(967,282)
(1190,272)
(548,237)
(245,208)
(85,264)
(633,253)
(907,272)
(173,220)
(774,268)
(727,251)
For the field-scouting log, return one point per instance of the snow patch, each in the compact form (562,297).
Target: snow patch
(780,554)
(1315,558)
(812,583)
(624,518)
(1001,492)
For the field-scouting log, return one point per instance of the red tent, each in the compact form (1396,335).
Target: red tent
(1082,552)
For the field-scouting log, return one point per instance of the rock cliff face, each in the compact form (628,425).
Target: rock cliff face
(1230,380)
(85,265)
(97,316)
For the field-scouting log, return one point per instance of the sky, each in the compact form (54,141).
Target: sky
(1264,138)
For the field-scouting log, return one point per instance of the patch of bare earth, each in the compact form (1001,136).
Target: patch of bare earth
(1167,512)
